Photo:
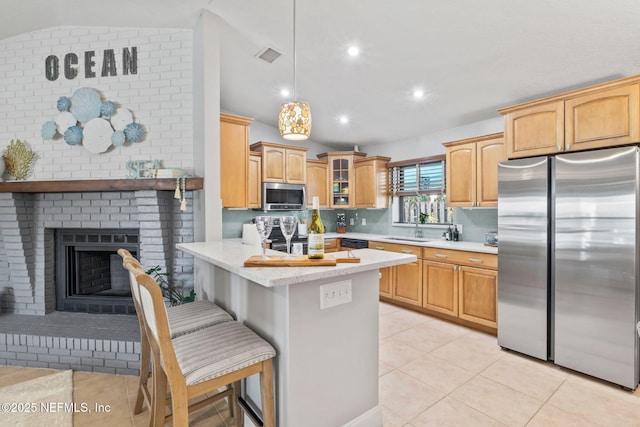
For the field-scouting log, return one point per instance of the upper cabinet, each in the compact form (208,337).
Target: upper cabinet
(341,179)
(234,160)
(535,131)
(318,182)
(282,163)
(599,116)
(472,170)
(603,119)
(371,182)
(254,184)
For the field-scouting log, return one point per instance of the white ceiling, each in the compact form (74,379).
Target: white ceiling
(471,57)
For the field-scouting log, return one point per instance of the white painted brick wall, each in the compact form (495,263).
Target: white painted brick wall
(159,95)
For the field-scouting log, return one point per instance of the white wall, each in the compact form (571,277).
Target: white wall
(431,144)
(260,131)
(160,96)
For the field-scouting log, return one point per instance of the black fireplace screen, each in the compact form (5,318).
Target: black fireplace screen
(89,273)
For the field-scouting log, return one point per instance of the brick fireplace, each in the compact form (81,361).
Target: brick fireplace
(29,220)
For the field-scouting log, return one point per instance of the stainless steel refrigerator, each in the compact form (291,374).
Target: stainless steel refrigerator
(568,261)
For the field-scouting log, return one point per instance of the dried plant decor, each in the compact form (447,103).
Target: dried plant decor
(18,159)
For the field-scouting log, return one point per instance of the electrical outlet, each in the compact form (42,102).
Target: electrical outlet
(459,228)
(336,293)
(352,221)
(364,221)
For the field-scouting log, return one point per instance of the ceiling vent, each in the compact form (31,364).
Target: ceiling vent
(268,54)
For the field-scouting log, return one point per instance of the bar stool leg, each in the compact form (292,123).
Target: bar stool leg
(266,386)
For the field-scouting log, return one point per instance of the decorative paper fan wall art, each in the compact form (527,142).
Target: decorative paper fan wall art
(97,125)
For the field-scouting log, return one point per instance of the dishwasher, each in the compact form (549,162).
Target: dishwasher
(354,243)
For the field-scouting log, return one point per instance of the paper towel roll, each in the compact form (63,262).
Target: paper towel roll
(250,235)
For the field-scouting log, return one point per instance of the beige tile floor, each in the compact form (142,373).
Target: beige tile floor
(432,373)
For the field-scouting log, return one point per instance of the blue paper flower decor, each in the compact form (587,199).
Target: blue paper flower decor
(73,135)
(107,125)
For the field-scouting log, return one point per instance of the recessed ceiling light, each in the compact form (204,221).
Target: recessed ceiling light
(418,93)
(353,51)
(344,120)
(284,92)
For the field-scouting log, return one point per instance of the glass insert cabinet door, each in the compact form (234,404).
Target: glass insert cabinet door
(340,183)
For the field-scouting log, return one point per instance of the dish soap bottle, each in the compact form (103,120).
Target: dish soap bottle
(315,242)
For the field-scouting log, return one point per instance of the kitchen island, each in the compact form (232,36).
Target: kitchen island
(326,368)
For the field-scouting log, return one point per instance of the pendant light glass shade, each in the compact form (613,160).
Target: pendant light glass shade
(294,120)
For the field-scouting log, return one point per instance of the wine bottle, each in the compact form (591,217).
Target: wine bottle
(315,248)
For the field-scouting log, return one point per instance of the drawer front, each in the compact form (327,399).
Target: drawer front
(394,247)
(474,259)
(331,245)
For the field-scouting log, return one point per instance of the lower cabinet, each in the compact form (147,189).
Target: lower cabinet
(386,279)
(331,245)
(458,284)
(479,294)
(401,282)
(408,279)
(440,287)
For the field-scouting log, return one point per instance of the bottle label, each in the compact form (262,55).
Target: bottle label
(315,245)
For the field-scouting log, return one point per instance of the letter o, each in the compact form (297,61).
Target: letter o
(51,68)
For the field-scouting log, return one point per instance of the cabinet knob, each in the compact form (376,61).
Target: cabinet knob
(568,147)
(559,147)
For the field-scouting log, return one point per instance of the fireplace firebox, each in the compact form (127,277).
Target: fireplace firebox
(89,273)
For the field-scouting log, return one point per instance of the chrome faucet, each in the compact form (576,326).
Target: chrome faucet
(417,232)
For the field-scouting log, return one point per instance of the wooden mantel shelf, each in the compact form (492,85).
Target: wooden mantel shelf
(75,186)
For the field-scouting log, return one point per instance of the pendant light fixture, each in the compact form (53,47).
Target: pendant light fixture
(294,119)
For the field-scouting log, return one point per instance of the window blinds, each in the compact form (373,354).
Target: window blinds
(419,178)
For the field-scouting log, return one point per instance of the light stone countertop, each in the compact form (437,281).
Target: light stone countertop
(429,243)
(230,255)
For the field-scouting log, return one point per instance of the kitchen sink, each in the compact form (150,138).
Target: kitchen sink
(406,239)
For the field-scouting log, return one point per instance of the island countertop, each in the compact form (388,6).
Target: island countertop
(230,255)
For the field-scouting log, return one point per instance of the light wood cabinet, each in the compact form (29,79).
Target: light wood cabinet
(603,119)
(318,182)
(478,295)
(462,284)
(341,179)
(371,182)
(402,282)
(386,279)
(282,163)
(599,116)
(331,245)
(472,170)
(234,160)
(254,188)
(535,131)
(440,287)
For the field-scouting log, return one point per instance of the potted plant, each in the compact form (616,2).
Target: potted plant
(173,295)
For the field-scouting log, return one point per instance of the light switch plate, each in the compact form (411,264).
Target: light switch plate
(364,221)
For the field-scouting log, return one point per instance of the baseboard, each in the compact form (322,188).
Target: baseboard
(371,418)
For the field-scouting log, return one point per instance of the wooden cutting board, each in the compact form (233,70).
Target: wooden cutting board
(295,261)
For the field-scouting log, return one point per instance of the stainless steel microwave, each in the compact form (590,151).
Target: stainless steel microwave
(283,197)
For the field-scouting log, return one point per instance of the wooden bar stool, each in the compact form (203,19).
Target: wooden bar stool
(182,319)
(201,362)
